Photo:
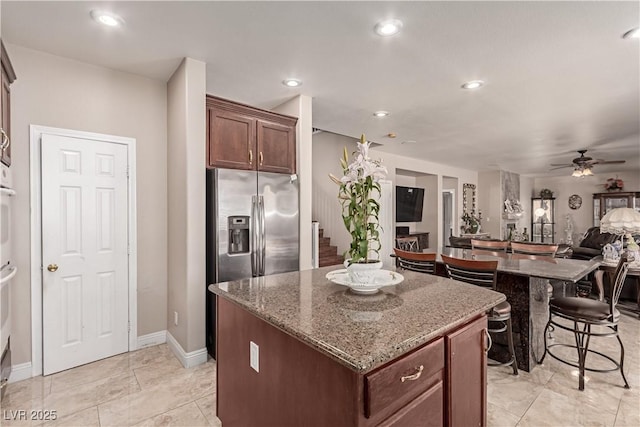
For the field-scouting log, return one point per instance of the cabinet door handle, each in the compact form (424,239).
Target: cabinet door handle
(413,377)
(261,157)
(487,341)
(250,157)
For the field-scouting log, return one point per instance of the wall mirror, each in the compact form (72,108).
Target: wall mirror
(468,198)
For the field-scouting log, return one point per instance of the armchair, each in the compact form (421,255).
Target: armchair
(592,243)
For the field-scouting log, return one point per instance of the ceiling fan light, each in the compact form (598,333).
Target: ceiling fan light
(587,172)
(577,173)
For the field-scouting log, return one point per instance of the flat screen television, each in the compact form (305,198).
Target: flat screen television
(409,204)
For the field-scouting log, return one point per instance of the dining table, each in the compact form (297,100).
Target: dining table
(525,280)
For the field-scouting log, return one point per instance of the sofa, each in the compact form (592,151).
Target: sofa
(592,244)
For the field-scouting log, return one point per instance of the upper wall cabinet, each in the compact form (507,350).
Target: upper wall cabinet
(244,137)
(8,76)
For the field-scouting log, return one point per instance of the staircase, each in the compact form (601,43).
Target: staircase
(328,254)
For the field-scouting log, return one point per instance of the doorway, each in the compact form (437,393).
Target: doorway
(83,294)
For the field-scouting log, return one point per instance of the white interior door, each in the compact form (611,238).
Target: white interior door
(84,251)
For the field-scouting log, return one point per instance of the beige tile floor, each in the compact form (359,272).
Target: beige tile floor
(149,387)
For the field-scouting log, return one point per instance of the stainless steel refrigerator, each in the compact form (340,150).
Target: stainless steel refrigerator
(252,229)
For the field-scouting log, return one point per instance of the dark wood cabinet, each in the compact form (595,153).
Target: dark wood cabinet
(244,137)
(467,375)
(442,382)
(425,410)
(8,76)
(276,147)
(604,202)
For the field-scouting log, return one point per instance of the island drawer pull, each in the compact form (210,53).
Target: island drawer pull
(488,342)
(413,377)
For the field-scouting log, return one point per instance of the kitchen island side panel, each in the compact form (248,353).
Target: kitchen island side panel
(296,385)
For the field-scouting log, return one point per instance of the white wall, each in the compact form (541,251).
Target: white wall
(489,202)
(58,92)
(564,186)
(327,151)
(526,189)
(301,107)
(431,209)
(186,204)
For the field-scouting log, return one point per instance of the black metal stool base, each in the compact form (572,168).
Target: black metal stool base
(582,337)
(505,322)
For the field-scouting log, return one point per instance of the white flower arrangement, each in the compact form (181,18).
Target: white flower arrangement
(360,211)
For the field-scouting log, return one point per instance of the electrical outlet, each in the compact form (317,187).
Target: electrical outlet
(254,356)
(175,318)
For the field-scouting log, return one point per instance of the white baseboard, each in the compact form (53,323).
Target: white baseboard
(24,371)
(154,338)
(20,372)
(188,360)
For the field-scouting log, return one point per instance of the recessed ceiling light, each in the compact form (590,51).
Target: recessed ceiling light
(388,27)
(292,82)
(107,18)
(632,34)
(473,84)
(381,113)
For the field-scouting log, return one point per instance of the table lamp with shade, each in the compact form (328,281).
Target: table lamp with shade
(623,222)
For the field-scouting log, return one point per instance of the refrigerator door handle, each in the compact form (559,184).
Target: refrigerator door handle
(254,237)
(263,240)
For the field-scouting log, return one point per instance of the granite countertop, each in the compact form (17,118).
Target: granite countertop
(570,270)
(361,332)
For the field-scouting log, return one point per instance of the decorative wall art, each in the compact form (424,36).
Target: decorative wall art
(575,201)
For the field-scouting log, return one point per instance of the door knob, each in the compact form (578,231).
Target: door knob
(52,267)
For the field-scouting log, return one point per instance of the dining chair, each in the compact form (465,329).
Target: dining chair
(485,273)
(415,261)
(409,244)
(491,245)
(538,250)
(533,249)
(583,314)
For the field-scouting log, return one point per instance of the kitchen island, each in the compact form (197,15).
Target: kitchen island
(413,354)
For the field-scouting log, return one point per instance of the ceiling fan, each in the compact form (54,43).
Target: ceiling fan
(582,165)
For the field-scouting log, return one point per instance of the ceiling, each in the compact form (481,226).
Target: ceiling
(559,76)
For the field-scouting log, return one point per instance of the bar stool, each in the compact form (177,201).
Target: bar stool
(585,313)
(415,261)
(491,245)
(534,249)
(407,243)
(538,250)
(485,273)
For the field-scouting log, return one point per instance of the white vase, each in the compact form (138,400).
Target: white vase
(363,272)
